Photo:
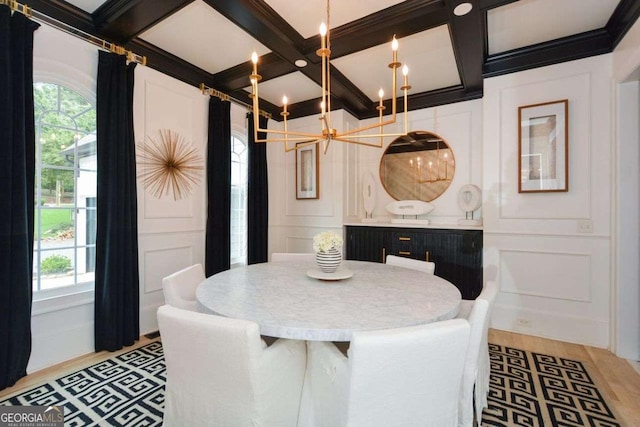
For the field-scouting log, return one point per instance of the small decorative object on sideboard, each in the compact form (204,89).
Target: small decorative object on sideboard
(409,208)
(469,200)
(328,248)
(369,197)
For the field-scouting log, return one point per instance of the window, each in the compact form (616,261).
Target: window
(65,191)
(238,200)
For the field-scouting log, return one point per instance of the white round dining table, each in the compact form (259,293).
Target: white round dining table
(287,303)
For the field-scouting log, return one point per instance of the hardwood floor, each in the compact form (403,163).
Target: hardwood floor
(618,381)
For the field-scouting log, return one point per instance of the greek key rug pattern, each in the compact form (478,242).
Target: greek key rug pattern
(126,390)
(538,390)
(527,389)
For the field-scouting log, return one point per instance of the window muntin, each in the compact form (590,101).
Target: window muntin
(238,200)
(65,191)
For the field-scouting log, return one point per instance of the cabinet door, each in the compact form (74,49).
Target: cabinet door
(458,258)
(364,244)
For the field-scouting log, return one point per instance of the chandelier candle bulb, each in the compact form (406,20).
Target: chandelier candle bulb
(323,33)
(254,59)
(394,48)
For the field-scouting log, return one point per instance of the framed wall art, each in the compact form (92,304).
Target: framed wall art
(307,171)
(543,150)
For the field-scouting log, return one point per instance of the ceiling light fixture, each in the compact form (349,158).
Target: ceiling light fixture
(462,9)
(300,63)
(328,133)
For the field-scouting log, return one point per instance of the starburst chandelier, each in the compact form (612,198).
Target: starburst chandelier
(327,132)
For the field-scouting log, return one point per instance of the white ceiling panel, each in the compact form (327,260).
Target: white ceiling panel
(86,5)
(527,22)
(296,86)
(429,56)
(200,35)
(305,16)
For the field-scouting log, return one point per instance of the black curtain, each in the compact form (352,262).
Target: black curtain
(218,237)
(117,302)
(17,157)
(258,196)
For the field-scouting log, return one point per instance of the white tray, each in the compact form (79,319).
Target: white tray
(339,274)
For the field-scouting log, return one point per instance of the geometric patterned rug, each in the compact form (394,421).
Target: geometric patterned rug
(527,389)
(126,390)
(532,389)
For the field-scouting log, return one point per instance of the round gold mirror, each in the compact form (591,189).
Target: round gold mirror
(418,166)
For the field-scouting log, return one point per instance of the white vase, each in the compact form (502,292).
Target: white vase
(329,261)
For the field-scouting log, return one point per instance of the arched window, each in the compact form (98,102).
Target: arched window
(65,191)
(238,200)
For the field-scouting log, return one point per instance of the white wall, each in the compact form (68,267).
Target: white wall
(626,303)
(171,232)
(555,282)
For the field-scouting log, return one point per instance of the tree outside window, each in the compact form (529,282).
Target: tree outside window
(65,194)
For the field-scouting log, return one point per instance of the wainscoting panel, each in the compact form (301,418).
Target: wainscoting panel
(163,103)
(299,244)
(575,203)
(160,263)
(550,286)
(161,255)
(527,272)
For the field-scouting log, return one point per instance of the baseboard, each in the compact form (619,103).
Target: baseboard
(556,326)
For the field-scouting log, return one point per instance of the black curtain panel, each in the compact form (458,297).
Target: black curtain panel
(117,302)
(258,196)
(17,157)
(218,237)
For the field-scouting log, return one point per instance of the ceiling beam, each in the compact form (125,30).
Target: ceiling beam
(485,5)
(66,13)
(569,48)
(402,20)
(622,19)
(261,22)
(271,66)
(468,33)
(122,20)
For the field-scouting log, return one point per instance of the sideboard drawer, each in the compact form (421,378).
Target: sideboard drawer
(457,253)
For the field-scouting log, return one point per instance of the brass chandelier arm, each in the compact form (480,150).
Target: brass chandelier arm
(328,133)
(368,144)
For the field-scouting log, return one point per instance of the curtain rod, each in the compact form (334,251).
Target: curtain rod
(206,90)
(96,41)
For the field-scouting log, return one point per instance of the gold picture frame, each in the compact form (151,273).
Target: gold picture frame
(543,147)
(307,172)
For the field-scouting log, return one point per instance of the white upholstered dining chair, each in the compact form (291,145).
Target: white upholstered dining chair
(219,373)
(413,264)
(403,377)
(291,256)
(478,322)
(180,287)
(475,383)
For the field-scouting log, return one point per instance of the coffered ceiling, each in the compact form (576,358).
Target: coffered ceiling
(210,42)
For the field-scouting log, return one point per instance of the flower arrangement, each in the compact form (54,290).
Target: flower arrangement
(322,242)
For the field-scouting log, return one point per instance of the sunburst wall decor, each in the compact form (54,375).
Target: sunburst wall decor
(169,163)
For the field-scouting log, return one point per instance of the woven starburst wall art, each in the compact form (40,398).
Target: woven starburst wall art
(169,163)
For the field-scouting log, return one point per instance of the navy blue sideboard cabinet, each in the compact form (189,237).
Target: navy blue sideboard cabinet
(457,253)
